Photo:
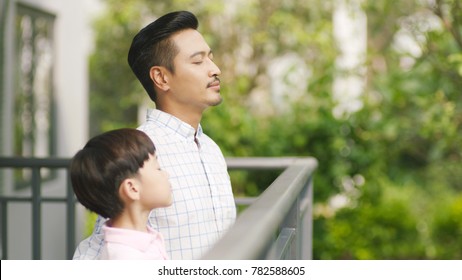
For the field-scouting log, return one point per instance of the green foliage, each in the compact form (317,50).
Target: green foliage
(447,229)
(395,163)
(382,224)
(90,222)
(113,103)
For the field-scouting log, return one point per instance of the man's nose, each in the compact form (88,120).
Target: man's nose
(215,70)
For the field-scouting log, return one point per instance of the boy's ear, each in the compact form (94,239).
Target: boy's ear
(159,76)
(129,189)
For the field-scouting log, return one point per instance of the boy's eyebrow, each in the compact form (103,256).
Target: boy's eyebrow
(201,53)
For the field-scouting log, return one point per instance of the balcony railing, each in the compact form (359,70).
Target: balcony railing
(276,225)
(36,199)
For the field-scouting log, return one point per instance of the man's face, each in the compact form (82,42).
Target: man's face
(195,84)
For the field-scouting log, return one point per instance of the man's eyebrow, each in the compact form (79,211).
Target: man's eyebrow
(201,53)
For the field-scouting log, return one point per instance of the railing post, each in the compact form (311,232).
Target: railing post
(291,223)
(70,223)
(306,222)
(283,245)
(4,206)
(36,214)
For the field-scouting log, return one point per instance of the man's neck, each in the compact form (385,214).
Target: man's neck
(188,116)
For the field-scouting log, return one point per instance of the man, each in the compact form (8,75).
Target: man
(175,66)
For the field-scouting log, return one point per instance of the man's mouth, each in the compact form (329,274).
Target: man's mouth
(214,83)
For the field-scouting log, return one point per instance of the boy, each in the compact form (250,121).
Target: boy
(117,176)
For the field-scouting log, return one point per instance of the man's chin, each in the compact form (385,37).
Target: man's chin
(217,101)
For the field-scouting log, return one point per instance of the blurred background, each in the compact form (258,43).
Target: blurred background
(371,89)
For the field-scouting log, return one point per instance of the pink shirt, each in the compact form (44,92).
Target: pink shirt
(126,244)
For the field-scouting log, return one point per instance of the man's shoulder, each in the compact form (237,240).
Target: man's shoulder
(88,251)
(154,129)
(207,139)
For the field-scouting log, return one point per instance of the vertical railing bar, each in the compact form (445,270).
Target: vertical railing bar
(295,246)
(296,242)
(70,218)
(4,208)
(281,245)
(306,226)
(300,234)
(36,214)
(291,221)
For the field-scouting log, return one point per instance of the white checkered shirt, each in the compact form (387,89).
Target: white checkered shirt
(203,203)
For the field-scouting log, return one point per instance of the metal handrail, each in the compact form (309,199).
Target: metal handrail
(284,207)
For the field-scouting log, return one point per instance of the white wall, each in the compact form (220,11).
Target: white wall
(73,40)
(72,45)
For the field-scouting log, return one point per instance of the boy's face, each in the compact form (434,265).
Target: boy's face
(155,187)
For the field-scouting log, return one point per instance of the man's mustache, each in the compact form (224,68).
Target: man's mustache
(216,81)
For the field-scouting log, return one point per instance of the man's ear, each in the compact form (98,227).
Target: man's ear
(159,77)
(129,189)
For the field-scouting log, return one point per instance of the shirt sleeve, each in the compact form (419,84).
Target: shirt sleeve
(90,248)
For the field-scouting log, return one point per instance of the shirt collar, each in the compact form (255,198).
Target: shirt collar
(133,238)
(175,124)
